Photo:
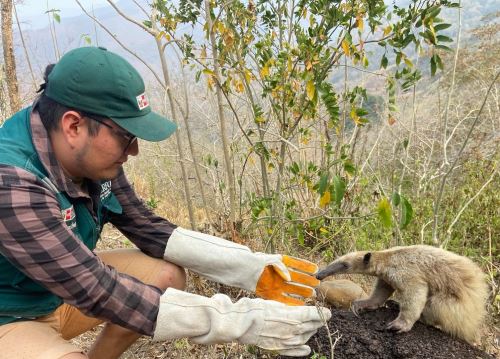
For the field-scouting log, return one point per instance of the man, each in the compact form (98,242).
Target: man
(61,180)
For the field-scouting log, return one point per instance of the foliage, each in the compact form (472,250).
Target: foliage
(279,57)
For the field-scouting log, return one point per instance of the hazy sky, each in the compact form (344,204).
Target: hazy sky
(31,11)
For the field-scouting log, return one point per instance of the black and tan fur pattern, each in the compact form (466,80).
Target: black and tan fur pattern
(440,288)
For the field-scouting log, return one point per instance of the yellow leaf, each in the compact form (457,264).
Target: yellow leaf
(323,230)
(308,65)
(238,86)
(387,30)
(210,82)
(264,72)
(345,47)
(251,160)
(304,13)
(355,117)
(408,62)
(248,75)
(260,119)
(325,199)
(203,54)
(391,120)
(208,72)
(220,27)
(228,39)
(310,90)
(360,23)
(160,34)
(289,64)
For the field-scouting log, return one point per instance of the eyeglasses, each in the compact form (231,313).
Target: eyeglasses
(128,137)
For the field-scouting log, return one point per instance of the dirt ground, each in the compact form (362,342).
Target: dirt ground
(364,337)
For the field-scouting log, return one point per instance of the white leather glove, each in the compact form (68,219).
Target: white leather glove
(270,276)
(268,324)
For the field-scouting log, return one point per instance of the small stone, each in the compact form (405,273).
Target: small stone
(340,292)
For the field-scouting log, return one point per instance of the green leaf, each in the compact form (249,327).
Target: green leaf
(396,199)
(435,12)
(384,62)
(443,47)
(384,212)
(349,167)
(323,183)
(57,17)
(406,213)
(433,65)
(339,186)
(294,168)
(439,62)
(442,38)
(440,27)
(329,99)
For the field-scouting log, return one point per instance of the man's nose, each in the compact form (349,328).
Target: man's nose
(133,149)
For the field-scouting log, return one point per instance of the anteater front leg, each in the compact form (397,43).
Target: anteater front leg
(411,304)
(379,295)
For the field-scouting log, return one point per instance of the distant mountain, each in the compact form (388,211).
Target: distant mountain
(72,31)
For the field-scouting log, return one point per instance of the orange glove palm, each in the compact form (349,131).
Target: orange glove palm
(273,283)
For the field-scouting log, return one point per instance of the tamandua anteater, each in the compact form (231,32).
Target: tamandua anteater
(441,288)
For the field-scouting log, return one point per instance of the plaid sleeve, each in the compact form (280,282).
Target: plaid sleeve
(35,239)
(146,230)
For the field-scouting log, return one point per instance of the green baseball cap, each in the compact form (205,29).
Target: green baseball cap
(100,82)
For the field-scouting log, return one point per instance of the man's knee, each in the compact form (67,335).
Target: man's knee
(171,276)
(74,356)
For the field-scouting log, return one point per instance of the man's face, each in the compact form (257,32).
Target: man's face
(101,156)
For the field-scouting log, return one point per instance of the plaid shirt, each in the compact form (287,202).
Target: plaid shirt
(37,241)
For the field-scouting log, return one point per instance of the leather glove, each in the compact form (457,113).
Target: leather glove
(265,323)
(271,276)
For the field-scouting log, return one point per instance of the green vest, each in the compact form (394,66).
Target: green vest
(22,298)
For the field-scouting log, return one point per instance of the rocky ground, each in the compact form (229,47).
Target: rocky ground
(364,337)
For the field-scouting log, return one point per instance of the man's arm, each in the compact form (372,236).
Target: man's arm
(35,239)
(138,223)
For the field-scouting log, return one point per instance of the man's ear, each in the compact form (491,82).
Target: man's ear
(71,125)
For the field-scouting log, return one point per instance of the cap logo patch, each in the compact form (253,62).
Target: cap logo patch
(142,101)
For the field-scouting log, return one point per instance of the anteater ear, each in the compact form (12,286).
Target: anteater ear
(366,258)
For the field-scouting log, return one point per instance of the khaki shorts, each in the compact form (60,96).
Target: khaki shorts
(47,337)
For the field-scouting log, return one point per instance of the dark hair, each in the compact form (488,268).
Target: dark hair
(52,111)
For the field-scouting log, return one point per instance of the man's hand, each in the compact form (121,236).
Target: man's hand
(265,323)
(286,279)
(271,276)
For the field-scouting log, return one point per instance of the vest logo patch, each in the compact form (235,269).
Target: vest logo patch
(142,101)
(68,216)
(105,190)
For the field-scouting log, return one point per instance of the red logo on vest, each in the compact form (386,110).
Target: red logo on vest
(142,101)
(68,214)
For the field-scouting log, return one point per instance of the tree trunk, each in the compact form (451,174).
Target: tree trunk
(180,148)
(222,119)
(8,55)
